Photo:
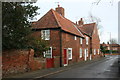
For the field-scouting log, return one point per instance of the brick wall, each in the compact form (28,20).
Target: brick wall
(54,42)
(86,46)
(19,61)
(95,43)
(68,41)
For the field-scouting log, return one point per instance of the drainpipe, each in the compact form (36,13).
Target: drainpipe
(90,45)
(60,34)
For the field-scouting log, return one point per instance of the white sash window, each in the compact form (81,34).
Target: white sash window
(80,52)
(69,53)
(45,34)
(80,40)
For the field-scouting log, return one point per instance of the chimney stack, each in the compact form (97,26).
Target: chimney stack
(76,22)
(60,10)
(81,22)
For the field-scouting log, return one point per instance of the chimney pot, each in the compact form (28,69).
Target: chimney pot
(81,22)
(76,22)
(58,5)
(60,10)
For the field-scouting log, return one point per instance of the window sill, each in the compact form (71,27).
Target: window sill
(69,59)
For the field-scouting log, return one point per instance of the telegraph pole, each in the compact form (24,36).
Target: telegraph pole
(110,43)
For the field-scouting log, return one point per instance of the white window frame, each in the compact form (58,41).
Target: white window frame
(69,58)
(80,40)
(80,52)
(108,48)
(90,56)
(87,51)
(48,52)
(87,40)
(94,51)
(98,51)
(45,35)
(75,37)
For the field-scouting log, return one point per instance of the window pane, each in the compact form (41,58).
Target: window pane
(80,40)
(45,34)
(75,37)
(80,52)
(48,53)
(94,51)
(86,40)
(70,53)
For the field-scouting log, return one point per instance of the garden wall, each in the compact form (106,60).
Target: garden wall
(20,61)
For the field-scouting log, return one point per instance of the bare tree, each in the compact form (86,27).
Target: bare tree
(97,2)
(93,19)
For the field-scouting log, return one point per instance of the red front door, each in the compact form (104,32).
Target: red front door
(65,57)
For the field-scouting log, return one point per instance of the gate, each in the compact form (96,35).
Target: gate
(49,58)
(49,62)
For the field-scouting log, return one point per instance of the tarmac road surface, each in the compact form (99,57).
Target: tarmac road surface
(107,68)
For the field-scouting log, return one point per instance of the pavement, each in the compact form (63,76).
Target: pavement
(47,72)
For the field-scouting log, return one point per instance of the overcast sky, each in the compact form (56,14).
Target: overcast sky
(106,10)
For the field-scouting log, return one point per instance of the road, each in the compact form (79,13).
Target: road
(107,68)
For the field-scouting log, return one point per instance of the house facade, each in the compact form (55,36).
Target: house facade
(91,31)
(68,43)
(113,47)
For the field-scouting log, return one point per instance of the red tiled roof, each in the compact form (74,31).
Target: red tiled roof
(52,19)
(47,21)
(87,28)
(105,45)
(113,45)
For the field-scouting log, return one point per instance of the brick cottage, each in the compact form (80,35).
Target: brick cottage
(113,47)
(69,42)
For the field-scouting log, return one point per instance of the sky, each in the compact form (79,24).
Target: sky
(106,11)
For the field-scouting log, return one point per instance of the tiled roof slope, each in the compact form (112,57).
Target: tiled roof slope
(47,21)
(87,28)
(52,19)
(114,45)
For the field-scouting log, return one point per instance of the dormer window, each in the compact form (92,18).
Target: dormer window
(45,34)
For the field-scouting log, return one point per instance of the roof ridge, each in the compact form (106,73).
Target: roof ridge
(44,15)
(89,24)
(58,21)
(56,17)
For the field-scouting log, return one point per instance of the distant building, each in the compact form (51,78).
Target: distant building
(114,47)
